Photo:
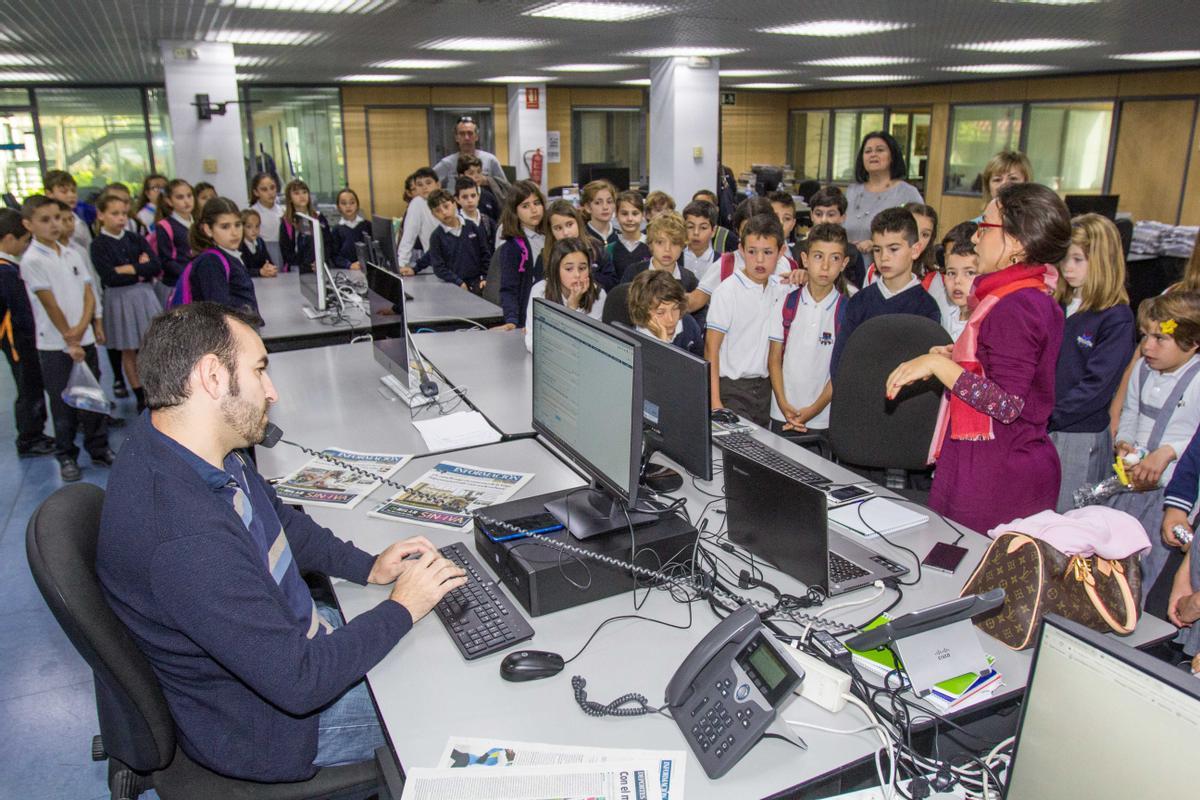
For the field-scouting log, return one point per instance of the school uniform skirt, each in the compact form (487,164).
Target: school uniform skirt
(1148,508)
(163,292)
(128,311)
(1086,460)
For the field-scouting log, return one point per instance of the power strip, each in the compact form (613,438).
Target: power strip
(823,685)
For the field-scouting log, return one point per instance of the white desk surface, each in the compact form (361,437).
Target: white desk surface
(495,368)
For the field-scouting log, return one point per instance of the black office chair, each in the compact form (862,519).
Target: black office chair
(1125,230)
(616,306)
(866,430)
(136,727)
(557,191)
(807,189)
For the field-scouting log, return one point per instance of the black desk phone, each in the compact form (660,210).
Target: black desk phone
(725,695)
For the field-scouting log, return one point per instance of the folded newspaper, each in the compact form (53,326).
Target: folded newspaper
(603,781)
(447,496)
(326,483)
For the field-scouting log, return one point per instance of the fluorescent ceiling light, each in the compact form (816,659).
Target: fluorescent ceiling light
(837,27)
(518,79)
(860,61)
(484,44)
(636,82)
(251,61)
(598,12)
(420,63)
(592,67)
(30,77)
(268,37)
(685,52)
(998,69)
(768,85)
(751,73)
(1161,55)
(1053,2)
(869,78)
(248,77)
(1026,45)
(311,6)
(16,60)
(373,78)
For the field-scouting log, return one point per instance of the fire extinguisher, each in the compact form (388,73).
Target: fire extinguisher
(534,164)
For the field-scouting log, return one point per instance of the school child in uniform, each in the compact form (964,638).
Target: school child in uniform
(466,194)
(563,220)
(296,238)
(700,219)
(1098,340)
(599,203)
(63,301)
(657,202)
(127,271)
(630,247)
(418,225)
(61,186)
(803,330)
(521,229)
(132,224)
(459,253)
(351,229)
(204,192)
(490,193)
(18,340)
(253,249)
(68,220)
(667,236)
(724,240)
(829,205)
(171,230)
(1183,603)
(739,317)
(732,262)
(658,307)
(568,282)
(784,207)
(962,264)
(925,266)
(898,291)
(1160,414)
(153,186)
(264,196)
(218,275)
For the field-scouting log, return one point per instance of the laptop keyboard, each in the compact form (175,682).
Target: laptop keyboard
(843,569)
(746,445)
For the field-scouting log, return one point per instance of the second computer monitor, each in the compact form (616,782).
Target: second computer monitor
(383,234)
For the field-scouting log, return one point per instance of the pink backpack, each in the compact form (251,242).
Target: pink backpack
(181,295)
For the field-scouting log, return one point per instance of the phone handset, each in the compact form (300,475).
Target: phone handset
(733,628)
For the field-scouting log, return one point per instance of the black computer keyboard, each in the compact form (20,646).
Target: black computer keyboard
(746,445)
(843,569)
(477,615)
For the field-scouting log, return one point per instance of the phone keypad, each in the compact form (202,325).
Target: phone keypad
(712,727)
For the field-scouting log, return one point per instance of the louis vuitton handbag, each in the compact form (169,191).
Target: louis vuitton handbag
(1100,593)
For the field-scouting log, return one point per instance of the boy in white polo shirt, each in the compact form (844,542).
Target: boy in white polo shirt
(803,330)
(738,318)
(64,304)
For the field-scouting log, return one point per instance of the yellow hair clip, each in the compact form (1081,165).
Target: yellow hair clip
(1168,326)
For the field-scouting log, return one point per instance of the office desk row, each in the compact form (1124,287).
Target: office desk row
(425,691)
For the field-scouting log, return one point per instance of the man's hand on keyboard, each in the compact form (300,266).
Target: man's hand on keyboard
(424,581)
(389,563)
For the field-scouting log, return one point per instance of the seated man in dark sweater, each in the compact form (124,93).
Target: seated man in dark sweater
(896,245)
(201,560)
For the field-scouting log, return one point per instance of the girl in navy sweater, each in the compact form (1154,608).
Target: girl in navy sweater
(599,203)
(218,274)
(296,239)
(253,249)
(350,230)
(630,247)
(565,221)
(1097,343)
(521,223)
(173,221)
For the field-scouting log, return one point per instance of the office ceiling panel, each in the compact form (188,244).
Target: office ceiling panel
(116,41)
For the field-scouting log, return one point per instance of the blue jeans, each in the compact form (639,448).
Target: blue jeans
(349,729)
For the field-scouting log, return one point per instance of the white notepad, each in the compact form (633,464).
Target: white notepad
(876,515)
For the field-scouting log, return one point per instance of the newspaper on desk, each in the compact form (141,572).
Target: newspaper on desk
(447,496)
(322,482)
(626,780)
(461,751)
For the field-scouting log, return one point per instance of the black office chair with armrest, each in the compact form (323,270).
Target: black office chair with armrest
(136,727)
(616,306)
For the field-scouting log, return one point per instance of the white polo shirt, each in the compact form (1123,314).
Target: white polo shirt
(712,278)
(743,310)
(65,275)
(699,264)
(808,353)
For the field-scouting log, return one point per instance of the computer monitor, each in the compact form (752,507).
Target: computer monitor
(1103,204)
(587,402)
(1101,721)
(315,280)
(382,233)
(391,354)
(675,412)
(617,176)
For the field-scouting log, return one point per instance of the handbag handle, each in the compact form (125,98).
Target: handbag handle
(1083,574)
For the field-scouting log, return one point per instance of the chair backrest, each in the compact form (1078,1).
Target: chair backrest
(491,292)
(865,428)
(1125,230)
(60,543)
(616,306)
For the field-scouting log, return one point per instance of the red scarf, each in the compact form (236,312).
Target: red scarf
(963,422)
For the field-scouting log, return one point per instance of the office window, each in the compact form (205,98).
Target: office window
(98,135)
(1067,143)
(20,169)
(976,134)
(911,130)
(160,132)
(14,97)
(849,127)
(808,145)
(299,131)
(611,138)
(442,123)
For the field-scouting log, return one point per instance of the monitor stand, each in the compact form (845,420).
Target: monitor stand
(656,477)
(594,512)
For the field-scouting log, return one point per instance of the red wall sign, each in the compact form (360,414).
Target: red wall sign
(532,98)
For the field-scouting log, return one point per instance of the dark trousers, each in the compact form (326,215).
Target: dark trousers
(748,397)
(56,371)
(29,408)
(114,361)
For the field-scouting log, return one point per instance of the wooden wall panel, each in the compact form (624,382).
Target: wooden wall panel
(558,118)
(754,130)
(1191,198)
(398,140)
(1152,147)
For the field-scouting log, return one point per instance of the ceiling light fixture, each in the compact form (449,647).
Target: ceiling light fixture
(636,82)
(268,37)
(518,79)
(869,78)
(484,44)
(998,69)
(30,77)
(1161,55)
(591,67)
(598,12)
(311,6)
(373,77)
(251,61)
(860,61)
(837,27)
(1026,45)
(751,73)
(685,52)
(420,63)
(768,85)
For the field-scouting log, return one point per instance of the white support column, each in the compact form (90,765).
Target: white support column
(684,125)
(205,150)
(526,126)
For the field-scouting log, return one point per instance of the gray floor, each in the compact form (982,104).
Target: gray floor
(47,707)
